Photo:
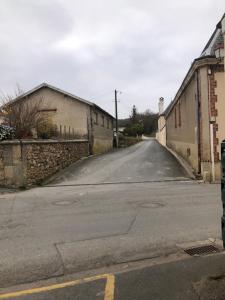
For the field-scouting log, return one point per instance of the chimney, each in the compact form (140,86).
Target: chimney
(161,105)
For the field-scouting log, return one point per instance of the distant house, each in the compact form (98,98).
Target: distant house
(161,133)
(195,119)
(121,129)
(74,117)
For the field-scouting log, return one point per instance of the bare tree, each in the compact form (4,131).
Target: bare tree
(23,115)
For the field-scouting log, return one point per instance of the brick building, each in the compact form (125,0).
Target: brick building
(195,119)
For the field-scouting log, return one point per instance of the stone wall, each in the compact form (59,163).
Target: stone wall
(26,163)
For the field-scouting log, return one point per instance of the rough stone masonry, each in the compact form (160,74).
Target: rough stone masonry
(28,162)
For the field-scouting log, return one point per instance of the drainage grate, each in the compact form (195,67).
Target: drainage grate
(202,250)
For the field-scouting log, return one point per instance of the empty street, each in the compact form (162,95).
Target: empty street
(136,203)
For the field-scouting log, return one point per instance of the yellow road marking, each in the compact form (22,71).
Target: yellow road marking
(109,289)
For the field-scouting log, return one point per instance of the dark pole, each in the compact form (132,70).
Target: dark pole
(199,123)
(116,115)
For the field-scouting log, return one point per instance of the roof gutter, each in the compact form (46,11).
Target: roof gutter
(102,110)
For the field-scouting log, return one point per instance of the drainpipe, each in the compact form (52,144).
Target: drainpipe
(211,122)
(198,124)
(212,151)
(90,130)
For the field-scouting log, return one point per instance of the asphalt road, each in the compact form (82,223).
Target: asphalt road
(145,161)
(199,278)
(69,226)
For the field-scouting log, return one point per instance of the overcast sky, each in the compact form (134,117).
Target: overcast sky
(90,47)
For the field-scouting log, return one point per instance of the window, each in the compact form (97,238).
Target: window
(179,115)
(64,130)
(47,109)
(103,121)
(96,118)
(108,123)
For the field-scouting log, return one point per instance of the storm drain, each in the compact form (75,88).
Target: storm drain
(202,250)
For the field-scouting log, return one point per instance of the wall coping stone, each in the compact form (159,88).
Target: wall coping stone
(47,141)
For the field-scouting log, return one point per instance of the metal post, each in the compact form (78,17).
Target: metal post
(212,152)
(116,115)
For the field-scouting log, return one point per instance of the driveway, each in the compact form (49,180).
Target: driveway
(145,161)
(146,210)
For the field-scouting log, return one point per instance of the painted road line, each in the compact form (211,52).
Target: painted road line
(109,288)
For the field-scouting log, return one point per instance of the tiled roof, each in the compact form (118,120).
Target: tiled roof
(46,85)
(215,40)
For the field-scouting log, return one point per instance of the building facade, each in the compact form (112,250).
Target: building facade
(195,119)
(73,117)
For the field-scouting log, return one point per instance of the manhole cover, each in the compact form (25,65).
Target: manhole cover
(152,205)
(64,202)
(202,250)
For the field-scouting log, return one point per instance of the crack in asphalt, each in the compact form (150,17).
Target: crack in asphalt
(93,238)
(132,223)
(99,237)
(60,260)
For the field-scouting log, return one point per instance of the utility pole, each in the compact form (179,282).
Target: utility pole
(116,115)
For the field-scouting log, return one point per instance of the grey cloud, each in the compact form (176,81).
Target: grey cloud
(89,48)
